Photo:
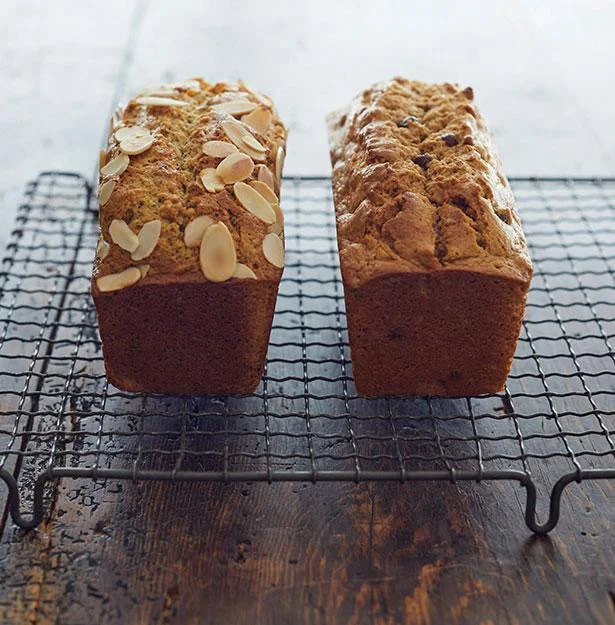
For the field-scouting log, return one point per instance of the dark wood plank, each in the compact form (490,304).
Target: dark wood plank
(421,553)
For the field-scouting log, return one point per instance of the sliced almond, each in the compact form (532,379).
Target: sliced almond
(254,202)
(251,142)
(234,131)
(143,269)
(105,191)
(148,239)
(131,132)
(102,159)
(279,216)
(210,180)
(277,228)
(117,281)
(122,235)
(115,166)
(223,87)
(162,92)
(192,85)
(237,133)
(243,272)
(219,149)
(253,154)
(136,145)
(273,249)
(217,254)
(264,175)
(259,119)
(193,234)
(265,191)
(263,99)
(279,163)
(118,116)
(234,107)
(235,167)
(102,249)
(147,100)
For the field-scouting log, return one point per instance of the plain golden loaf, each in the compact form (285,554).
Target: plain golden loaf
(192,239)
(434,262)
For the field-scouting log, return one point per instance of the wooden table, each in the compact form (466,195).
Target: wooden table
(425,553)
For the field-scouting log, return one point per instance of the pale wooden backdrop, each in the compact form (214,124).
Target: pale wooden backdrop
(543,72)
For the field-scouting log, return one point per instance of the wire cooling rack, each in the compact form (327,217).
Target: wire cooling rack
(554,424)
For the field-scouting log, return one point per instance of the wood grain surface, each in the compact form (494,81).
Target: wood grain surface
(380,554)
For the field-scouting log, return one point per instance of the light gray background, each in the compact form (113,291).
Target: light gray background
(542,71)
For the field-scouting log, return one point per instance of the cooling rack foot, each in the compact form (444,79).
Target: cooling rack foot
(556,497)
(38,509)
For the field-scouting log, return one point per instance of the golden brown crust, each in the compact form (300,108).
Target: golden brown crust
(418,186)
(433,258)
(173,330)
(163,182)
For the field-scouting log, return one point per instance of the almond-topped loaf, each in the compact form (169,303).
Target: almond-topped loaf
(192,239)
(434,262)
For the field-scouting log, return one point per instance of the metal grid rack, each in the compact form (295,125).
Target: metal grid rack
(554,424)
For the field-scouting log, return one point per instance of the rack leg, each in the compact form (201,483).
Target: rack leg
(13,500)
(554,503)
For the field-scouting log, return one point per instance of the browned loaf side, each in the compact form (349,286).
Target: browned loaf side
(434,261)
(192,239)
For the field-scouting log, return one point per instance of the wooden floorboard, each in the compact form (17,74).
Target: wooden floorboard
(419,553)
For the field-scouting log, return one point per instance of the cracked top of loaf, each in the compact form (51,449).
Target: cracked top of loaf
(160,168)
(418,186)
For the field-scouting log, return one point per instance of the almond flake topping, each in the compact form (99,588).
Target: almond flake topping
(136,145)
(235,167)
(116,281)
(162,92)
(217,254)
(237,134)
(259,120)
(193,85)
(279,163)
(193,234)
(148,239)
(122,235)
(279,217)
(234,107)
(210,180)
(277,228)
(273,249)
(263,99)
(265,191)
(243,272)
(219,149)
(254,202)
(115,166)
(143,269)
(251,142)
(102,248)
(105,191)
(264,175)
(234,131)
(155,101)
(131,132)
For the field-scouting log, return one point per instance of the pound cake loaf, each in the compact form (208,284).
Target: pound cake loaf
(192,243)
(433,258)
